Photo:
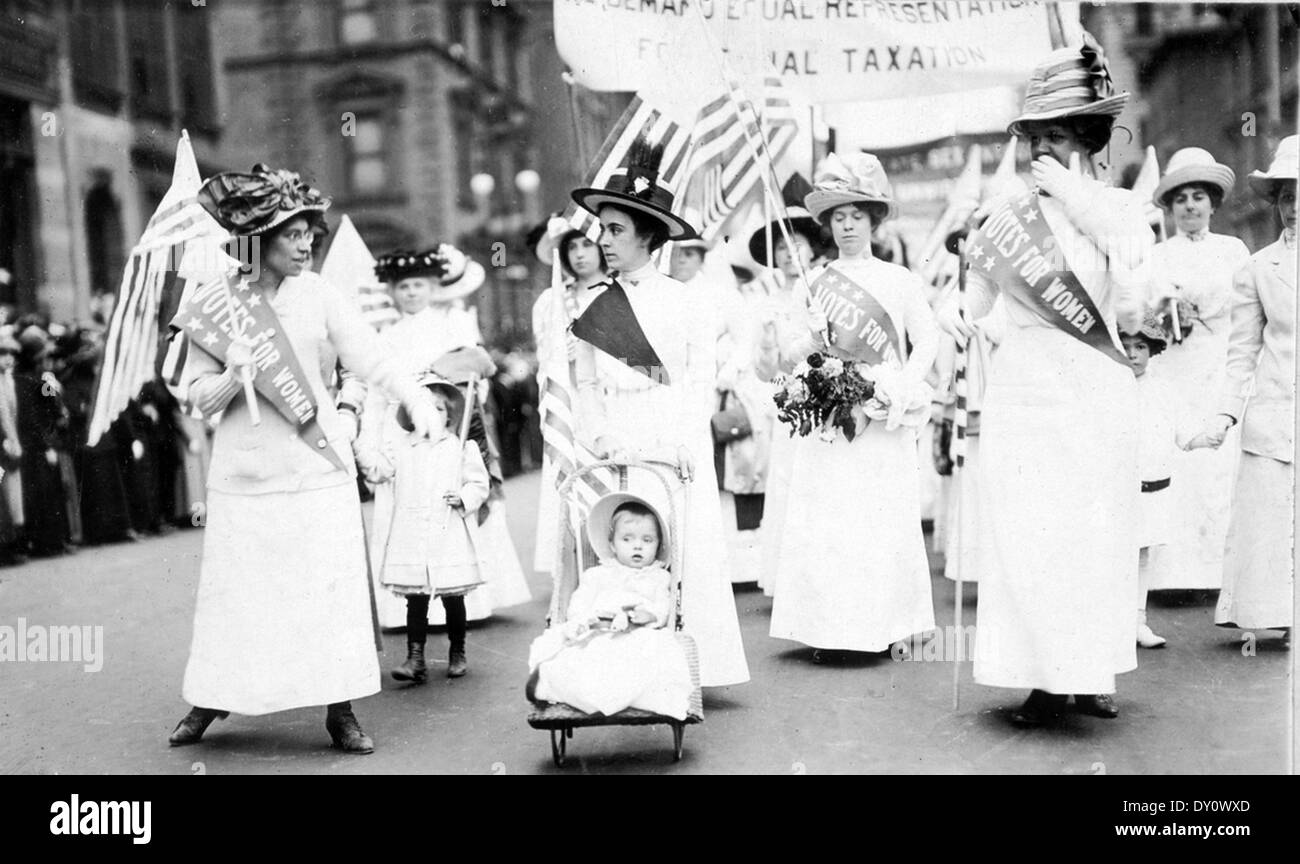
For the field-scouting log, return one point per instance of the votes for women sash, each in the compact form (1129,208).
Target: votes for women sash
(1016,250)
(205,318)
(858,324)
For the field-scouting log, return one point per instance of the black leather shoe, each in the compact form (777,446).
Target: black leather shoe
(1096,705)
(192,726)
(457,665)
(1040,709)
(345,731)
(414,669)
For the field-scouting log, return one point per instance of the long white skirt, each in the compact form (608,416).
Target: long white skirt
(636,419)
(775,502)
(1200,508)
(854,573)
(282,618)
(963,532)
(1058,493)
(1258,576)
(548,514)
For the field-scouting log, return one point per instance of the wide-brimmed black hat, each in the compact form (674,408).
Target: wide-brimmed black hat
(432,264)
(800,221)
(246,204)
(636,186)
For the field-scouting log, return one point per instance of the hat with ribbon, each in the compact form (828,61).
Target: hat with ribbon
(1192,165)
(800,221)
(1071,82)
(636,185)
(856,178)
(456,274)
(254,203)
(1286,161)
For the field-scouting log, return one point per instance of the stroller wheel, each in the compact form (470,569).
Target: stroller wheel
(679,733)
(559,745)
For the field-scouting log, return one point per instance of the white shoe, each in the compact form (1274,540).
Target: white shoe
(1148,639)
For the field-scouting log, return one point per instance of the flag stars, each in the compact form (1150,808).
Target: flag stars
(975,252)
(255,300)
(988,264)
(194,325)
(1030,216)
(210,339)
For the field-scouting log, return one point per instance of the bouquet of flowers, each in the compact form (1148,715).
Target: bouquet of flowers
(822,393)
(1188,315)
(833,395)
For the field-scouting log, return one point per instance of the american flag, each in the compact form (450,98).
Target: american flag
(639,120)
(729,155)
(177,228)
(350,267)
(556,408)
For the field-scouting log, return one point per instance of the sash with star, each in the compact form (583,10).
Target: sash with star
(1017,251)
(859,326)
(204,318)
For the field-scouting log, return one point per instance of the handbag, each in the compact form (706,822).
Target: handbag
(730,422)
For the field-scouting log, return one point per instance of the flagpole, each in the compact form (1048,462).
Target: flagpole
(237,331)
(471,397)
(959,469)
(769,175)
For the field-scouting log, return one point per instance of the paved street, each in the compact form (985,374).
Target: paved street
(1198,706)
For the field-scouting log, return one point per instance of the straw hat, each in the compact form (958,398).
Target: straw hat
(1071,82)
(254,203)
(856,178)
(698,243)
(1192,165)
(636,186)
(433,264)
(1153,331)
(1285,163)
(602,514)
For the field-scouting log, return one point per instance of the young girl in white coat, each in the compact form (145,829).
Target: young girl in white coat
(431,547)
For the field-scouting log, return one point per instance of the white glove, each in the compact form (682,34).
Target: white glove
(951,321)
(238,357)
(1063,184)
(455,261)
(620,622)
(137,450)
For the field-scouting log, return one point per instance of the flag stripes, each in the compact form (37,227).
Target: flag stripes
(152,272)
(639,120)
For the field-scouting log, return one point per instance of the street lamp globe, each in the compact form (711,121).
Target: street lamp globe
(527,181)
(482,185)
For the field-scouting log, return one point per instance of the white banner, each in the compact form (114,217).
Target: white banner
(829,50)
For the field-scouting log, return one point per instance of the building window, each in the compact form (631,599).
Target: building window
(357,22)
(105,243)
(367,157)
(468,146)
(194,48)
(95,59)
(150,84)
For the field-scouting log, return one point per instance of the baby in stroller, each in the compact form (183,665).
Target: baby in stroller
(614,649)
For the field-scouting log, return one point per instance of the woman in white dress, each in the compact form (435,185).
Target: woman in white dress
(853,569)
(282,619)
(583,266)
(1058,460)
(1195,268)
(1258,579)
(782,319)
(651,412)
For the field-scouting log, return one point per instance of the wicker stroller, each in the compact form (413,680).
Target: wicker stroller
(573,558)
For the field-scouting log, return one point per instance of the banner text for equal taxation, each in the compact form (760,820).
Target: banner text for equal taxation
(829,50)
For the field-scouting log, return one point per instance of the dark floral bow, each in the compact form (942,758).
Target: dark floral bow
(250,203)
(1098,70)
